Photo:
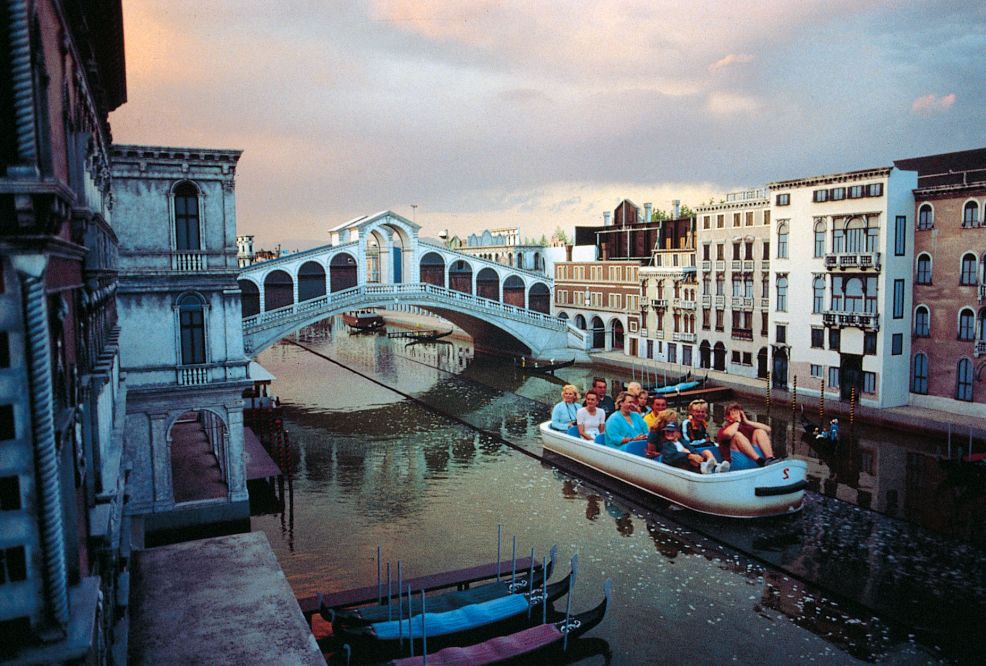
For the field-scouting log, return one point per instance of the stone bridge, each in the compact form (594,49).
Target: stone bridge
(379,262)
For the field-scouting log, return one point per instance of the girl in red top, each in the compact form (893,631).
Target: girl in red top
(740,433)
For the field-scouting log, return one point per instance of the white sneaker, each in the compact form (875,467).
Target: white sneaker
(722,467)
(707,467)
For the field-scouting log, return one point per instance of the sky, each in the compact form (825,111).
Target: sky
(465,115)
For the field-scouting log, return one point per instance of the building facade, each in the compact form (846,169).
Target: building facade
(63,536)
(182,334)
(245,254)
(601,298)
(840,284)
(948,331)
(734,270)
(503,246)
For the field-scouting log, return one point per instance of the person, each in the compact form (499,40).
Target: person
(564,413)
(605,401)
(695,430)
(591,419)
(660,419)
(658,404)
(740,433)
(677,454)
(642,402)
(625,425)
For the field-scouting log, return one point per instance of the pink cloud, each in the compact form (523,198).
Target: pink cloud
(731,59)
(930,104)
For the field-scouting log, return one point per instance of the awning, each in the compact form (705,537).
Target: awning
(259,374)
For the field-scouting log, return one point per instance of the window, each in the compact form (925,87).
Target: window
(4,350)
(749,218)
(874,190)
(838,193)
(869,382)
(748,250)
(8,429)
(783,199)
(766,250)
(720,221)
(781,294)
(967,325)
(818,295)
(970,214)
(782,232)
(735,357)
(898,299)
(922,322)
(186,217)
(900,236)
(719,319)
(919,374)
(833,376)
(819,239)
(926,216)
(869,343)
(963,380)
(720,252)
(736,251)
(967,271)
(897,344)
(816,371)
(10,493)
(818,338)
(706,221)
(736,219)
(706,252)
(856,192)
(13,564)
(835,339)
(766,218)
(923,273)
(706,318)
(191,310)
(781,336)
(818,196)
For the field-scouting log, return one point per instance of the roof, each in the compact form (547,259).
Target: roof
(364,220)
(948,169)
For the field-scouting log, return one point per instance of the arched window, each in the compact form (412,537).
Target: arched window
(923,273)
(191,323)
(967,271)
(919,374)
(187,217)
(853,294)
(963,380)
(782,233)
(970,214)
(819,239)
(926,216)
(922,322)
(782,294)
(967,324)
(818,294)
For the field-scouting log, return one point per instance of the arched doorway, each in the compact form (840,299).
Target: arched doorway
(249,297)
(373,258)
(538,264)
(762,363)
(580,322)
(779,378)
(539,298)
(513,291)
(278,290)
(598,333)
(563,316)
(705,355)
(460,277)
(432,269)
(198,442)
(342,272)
(397,259)
(311,281)
(488,284)
(617,328)
(719,356)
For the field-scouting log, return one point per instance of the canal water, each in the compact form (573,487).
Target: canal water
(430,479)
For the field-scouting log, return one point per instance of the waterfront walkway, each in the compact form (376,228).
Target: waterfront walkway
(216,601)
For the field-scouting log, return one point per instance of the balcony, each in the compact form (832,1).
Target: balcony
(866,320)
(683,305)
(980,349)
(982,293)
(742,334)
(684,337)
(764,303)
(858,260)
(765,265)
(720,267)
(706,301)
(748,265)
(720,302)
(188,261)
(193,375)
(658,335)
(706,266)
(659,303)
(736,265)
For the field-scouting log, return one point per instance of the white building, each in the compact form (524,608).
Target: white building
(244,251)
(182,336)
(840,279)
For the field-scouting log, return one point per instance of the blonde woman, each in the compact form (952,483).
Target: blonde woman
(564,413)
(625,425)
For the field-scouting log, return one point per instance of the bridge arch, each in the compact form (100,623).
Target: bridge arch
(562,315)
(460,276)
(249,297)
(342,272)
(278,290)
(311,281)
(580,322)
(598,333)
(488,284)
(514,292)
(539,298)
(432,269)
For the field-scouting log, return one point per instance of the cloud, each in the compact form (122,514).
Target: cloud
(731,59)
(728,104)
(930,104)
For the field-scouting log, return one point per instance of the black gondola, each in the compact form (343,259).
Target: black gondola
(528,365)
(658,388)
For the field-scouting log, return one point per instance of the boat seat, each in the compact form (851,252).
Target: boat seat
(636,447)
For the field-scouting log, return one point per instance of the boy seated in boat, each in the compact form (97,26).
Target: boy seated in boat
(695,429)
(740,433)
(675,453)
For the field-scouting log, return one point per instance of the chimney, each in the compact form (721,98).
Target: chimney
(675,208)
(647,212)
(606,218)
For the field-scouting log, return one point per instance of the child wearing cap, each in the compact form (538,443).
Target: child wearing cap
(673,452)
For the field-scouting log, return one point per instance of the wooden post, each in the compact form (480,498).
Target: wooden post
(768,392)
(794,407)
(852,405)
(821,406)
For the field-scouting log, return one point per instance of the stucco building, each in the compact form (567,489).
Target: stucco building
(601,298)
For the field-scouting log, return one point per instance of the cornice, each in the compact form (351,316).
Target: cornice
(845,177)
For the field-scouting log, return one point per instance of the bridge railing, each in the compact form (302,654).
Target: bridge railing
(288,258)
(537,275)
(365,295)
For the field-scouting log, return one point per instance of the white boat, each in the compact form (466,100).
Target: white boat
(772,490)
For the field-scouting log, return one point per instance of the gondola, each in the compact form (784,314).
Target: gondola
(528,365)
(469,624)
(654,388)
(363,320)
(544,640)
(814,434)
(747,491)
(420,336)
(680,387)
(442,602)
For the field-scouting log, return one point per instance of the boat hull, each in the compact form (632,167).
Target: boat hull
(774,490)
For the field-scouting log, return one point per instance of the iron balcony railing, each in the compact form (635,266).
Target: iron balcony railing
(684,337)
(867,320)
(980,349)
(861,260)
